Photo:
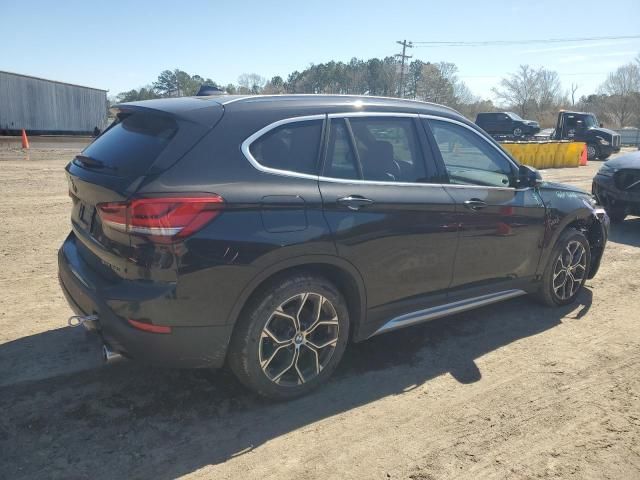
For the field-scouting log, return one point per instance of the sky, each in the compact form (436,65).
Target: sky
(120,45)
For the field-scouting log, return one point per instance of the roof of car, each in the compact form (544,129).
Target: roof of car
(576,113)
(301,104)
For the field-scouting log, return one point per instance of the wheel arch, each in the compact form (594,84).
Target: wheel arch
(340,272)
(592,227)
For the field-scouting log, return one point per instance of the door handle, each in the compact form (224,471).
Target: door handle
(354,202)
(474,204)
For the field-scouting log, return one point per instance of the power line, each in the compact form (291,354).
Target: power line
(402,55)
(500,43)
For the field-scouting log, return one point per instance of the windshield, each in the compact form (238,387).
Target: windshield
(514,116)
(590,121)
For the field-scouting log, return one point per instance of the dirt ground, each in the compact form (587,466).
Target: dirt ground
(514,390)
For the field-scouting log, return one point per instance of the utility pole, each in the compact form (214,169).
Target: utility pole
(403,56)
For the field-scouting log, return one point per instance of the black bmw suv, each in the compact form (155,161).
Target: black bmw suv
(267,232)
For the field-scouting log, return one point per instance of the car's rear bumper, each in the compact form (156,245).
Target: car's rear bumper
(185,346)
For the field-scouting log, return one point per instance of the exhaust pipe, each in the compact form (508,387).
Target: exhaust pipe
(109,356)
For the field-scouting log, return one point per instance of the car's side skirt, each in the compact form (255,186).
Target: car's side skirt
(432,313)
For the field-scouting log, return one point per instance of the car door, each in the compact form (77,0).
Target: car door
(501,227)
(506,124)
(398,230)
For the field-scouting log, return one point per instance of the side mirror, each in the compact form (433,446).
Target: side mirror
(528,176)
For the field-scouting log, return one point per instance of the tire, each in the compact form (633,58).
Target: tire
(272,347)
(517,132)
(572,248)
(592,151)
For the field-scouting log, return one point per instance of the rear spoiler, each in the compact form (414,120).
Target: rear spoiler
(204,111)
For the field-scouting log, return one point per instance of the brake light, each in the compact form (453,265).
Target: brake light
(162,219)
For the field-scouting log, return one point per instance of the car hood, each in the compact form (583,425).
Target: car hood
(549,186)
(600,131)
(630,160)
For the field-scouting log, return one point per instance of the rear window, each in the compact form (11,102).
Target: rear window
(292,146)
(132,144)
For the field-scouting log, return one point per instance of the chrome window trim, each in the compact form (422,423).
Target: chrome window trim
(246,146)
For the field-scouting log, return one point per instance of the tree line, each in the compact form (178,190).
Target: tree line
(534,93)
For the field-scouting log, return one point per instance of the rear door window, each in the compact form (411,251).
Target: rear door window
(341,160)
(292,147)
(131,145)
(386,149)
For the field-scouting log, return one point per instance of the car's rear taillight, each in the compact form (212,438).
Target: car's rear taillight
(162,219)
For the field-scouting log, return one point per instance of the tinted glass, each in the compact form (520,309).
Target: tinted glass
(132,144)
(388,149)
(468,158)
(340,159)
(293,147)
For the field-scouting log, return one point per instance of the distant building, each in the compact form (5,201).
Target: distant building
(48,107)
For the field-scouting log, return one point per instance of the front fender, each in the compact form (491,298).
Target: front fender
(573,209)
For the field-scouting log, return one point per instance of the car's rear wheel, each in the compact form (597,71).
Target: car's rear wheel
(567,269)
(290,337)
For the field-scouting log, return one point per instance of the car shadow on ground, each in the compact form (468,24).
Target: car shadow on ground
(627,232)
(131,421)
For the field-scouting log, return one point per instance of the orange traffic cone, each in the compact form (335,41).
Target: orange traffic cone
(25,140)
(583,156)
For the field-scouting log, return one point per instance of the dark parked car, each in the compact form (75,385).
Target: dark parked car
(506,124)
(267,232)
(617,186)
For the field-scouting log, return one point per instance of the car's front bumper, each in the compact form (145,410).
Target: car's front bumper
(598,236)
(607,150)
(605,190)
(185,346)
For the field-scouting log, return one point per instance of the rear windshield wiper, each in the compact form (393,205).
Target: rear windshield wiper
(92,162)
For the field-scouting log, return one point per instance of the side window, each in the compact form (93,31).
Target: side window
(292,146)
(341,162)
(468,158)
(388,149)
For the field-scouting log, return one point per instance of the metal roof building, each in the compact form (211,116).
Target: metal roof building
(49,107)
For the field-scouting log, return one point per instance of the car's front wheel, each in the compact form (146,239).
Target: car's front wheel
(517,132)
(566,270)
(290,337)
(592,151)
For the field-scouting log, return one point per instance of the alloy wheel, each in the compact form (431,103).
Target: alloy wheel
(569,270)
(299,339)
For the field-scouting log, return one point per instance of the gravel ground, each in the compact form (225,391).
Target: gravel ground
(515,390)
